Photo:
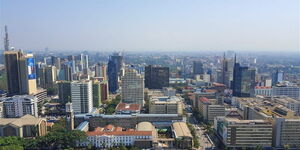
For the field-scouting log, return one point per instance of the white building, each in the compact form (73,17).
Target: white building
(19,105)
(263,90)
(112,136)
(168,91)
(82,96)
(289,103)
(133,87)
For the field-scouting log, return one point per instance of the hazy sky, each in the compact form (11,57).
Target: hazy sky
(152,24)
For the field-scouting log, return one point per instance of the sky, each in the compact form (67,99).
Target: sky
(152,25)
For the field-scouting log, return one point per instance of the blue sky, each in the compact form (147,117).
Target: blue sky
(166,25)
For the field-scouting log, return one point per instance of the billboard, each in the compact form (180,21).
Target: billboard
(31,68)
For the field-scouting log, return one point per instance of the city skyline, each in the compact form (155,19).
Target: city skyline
(152,26)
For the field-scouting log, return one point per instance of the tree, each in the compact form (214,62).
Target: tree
(51,91)
(258,147)
(286,146)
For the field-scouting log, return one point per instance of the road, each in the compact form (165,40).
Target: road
(205,143)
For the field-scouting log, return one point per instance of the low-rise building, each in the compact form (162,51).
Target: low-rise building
(111,136)
(182,135)
(127,109)
(166,105)
(19,105)
(26,126)
(263,90)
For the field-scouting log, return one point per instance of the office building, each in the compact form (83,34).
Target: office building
(198,68)
(236,133)
(115,65)
(165,105)
(227,71)
(286,132)
(290,91)
(27,126)
(96,94)
(82,96)
(47,76)
(55,61)
(104,91)
(19,105)
(6,40)
(132,87)
(210,109)
(277,77)
(156,77)
(243,81)
(21,73)
(100,71)
(64,91)
(84,63)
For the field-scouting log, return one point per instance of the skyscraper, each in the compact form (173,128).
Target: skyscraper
(48,76)
(84,62)
(115,64)
(55,61)
(21,72)
(132,87)
(6,40)
(100,71)
(227,71)
(156,77)
(243,81)
(198,67)
(64,91)
(82,96)
(277,77)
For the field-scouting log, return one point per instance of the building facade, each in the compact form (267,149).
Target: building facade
(20,105)
(82,96)
(156,77)
(132,87)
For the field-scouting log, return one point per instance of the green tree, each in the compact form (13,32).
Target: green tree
(258,147)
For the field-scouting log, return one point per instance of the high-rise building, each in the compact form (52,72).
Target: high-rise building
(132,87)
(277,77)
(6,40)
(96,94)
(198,67)
(48,76)
(66,72)
(227,71)
(243,83)
(82,96)
(115,64)
(21,73)
(20,105)
(55,61)
(156,77)
(84,62)
(100,71)
(104,91)
(64,91)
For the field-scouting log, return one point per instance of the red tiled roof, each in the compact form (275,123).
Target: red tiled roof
(109,127)
(120,133)
(124,107)
(263,87)
(218,84)
(210,91)
(204,99)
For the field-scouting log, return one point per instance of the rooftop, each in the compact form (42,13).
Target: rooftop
(128,107)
